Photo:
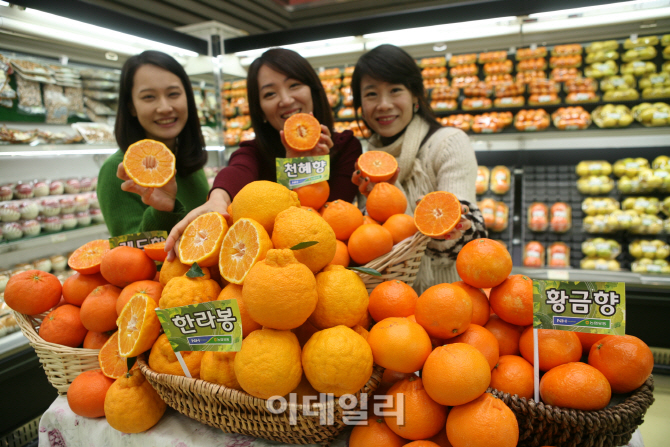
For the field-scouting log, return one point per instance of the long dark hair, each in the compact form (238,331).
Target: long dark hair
(391,64)
(296,67)
(191,154)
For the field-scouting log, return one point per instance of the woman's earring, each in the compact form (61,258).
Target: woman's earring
(416,107)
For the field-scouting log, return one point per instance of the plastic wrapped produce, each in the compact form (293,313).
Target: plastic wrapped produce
(622,82)
(642,205)
(627,94)
(478,89)
(560,217)
(595,184)
(606,45)
(461,121)
(572,61)
(639,54)
(581,97)
(444,105)
(592,206)
(538,217)
(638,68)
(502,67)
(601,56)
(610,115)
(594,167)
(543,100)
(649,224)
(463,59)
(590,263)
(601,70)
(578,85)
(571,118)
(630,166)
(530,53)
(503,90)
(652,115)
(567,50)
(665,206)
(645,265)
(482,181)
(464,70)
(533,254)
(491,122)
(509,101)
(558,255)
(527,77)
(599,224)
(501,217)
(501,179)
(444,92)
(623,220)
(425,62)
(640,41)
(564,74)
(601,248)
(536,64)
(477,103)
(488,209)
(654,249)
(492,56)
(531,120)
(656,92)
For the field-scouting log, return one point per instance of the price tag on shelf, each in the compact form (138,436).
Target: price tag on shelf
(558,275)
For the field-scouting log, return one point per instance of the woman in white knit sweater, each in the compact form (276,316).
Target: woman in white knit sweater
(388,87)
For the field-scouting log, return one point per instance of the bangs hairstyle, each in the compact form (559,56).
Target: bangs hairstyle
(190,151)
(294,66)
(388,63)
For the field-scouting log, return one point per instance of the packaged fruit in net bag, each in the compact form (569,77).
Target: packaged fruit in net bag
(538,217)
(533,254)
(558,255)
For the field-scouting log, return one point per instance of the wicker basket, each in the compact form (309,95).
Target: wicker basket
(613,426)
(401,263)
(237,412)
(61,363)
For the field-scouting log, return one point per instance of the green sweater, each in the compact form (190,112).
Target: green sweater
(125,213)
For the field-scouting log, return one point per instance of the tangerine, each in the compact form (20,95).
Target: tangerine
(124,265)
(378,166)
(302,132)
(555,347)
(86,394)
(392,299)
(444,310)
(483,263)
(480,302)
(369,242)
(148,287)
(313,196)
(437,213)
(98,311)
(423,417)
(32,292)
(87,258)
(374,433)
(149,163)
(625,360)
(156,251)
(343,217)
(62,326)
(514,375)
(399,344)
(482,339)
(575,385)
(401,227)
(507,334)
(483,422)
(77,287)
(201,240)
(384,201)
(512,300)
(341,255)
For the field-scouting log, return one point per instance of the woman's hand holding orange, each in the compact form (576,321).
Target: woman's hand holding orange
(162,198)
(364,184)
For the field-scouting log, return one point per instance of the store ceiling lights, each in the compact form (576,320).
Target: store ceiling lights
(37,23)
(608,14)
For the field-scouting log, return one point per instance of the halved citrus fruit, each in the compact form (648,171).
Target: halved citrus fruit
(437,214)
(86,259)
(302,131)
(149,163)
(111,362)
(244,245)
(156,251)
(201,241)
(378,166)
(138,326)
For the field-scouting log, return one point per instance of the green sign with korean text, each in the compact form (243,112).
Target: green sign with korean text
(138,240)
(302,171)
(594,307)
(211,326)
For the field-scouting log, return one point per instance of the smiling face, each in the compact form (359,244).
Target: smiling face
(159,103)
(282,97)
(387,108)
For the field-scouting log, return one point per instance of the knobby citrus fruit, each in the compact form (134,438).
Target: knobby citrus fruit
(262,201)
(342,298)
(132,405)
(162,359)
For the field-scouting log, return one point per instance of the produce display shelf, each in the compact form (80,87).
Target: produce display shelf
(97,231)
(549,108)
(11,343)
(38,150)
(570,274)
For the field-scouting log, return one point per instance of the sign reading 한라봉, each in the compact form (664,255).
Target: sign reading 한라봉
(210,326)
(595,307)
(138,240)
(302,171)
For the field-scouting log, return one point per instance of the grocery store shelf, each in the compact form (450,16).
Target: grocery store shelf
(11,343)
(42,150)
(593,138)
(594,275)
(98,231)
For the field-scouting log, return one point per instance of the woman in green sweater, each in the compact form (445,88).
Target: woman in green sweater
(156,102)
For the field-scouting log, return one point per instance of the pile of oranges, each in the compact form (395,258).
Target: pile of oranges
(310,326)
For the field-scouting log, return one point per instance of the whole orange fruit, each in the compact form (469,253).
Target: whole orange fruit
(507,334)
(341,255)
(399,344)
(96,340)
(575,385)
(86,394)
(512,300)
(456,374)
(132,405)
(444,311)
(484,422)
(342,298)
(369,242)
(77,287)
(124,265)
(514,375)
(480,302)
(384,201)
(147,287)
(98,311)
(369,220)
(162,359)
(625,360)
(482,339)
(392,299)
(589,340)
(423,417)
(374,433)
(32,292)
(422,443)
(389,377)
(234,292)
(483,263)
(313,196)
(262,201)
(62,326)
(182,291)
(173,268)
(401,227)
(219,367)
(555,347)
(343,217)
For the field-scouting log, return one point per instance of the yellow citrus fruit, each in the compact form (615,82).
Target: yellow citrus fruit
(234,292)
(164,361)
(219,367)
(280,292)
(269,363)
(296,225)
(182,291)
(244,245)
(343,298)
(303,389)
(337,360)
(138,326)
(202,238)
(262,201)
(171,269)
(132,405)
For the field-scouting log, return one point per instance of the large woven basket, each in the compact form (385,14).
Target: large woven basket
(541,424)
(61,364)
(401,263)
(238,412)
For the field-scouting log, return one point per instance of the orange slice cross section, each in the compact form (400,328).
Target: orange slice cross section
(202,238)
(111,363)
(86,259)
(156,251)
(437,214)
(244,245)
(139,326)
(302,131)
(378,166)
(149,163)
